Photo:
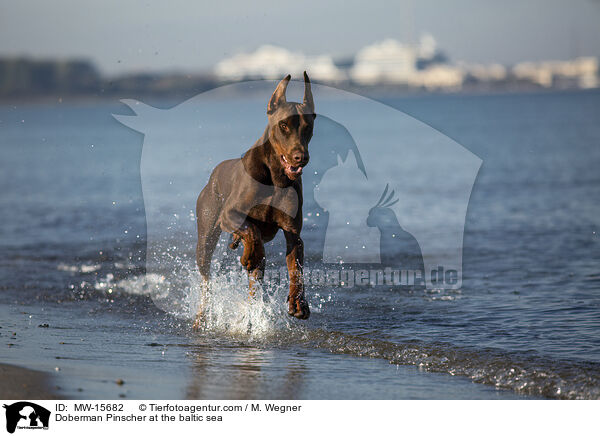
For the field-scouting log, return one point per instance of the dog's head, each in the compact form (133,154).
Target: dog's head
(291,127)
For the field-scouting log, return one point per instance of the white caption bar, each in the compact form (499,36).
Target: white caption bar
(298,417)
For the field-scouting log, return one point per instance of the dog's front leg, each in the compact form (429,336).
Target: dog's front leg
(298,306)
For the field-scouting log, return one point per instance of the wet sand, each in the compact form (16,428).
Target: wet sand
(19,383)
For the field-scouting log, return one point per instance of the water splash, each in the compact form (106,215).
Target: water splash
(225,302)
(228,308)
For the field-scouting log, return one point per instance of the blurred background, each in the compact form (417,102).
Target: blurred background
(67,48)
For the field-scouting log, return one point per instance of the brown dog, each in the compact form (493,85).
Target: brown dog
(255,196)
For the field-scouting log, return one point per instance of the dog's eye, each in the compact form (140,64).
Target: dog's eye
(283,126)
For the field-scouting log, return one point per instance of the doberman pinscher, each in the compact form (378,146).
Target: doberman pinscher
(255,196)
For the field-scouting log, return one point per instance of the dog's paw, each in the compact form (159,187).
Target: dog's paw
(299,309)
(253,256)
(247,254)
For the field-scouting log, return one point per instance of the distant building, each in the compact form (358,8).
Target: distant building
(484,73)
(428,53)
(395,63)
(581,72)
(388,61)
(271,62)
(442,77)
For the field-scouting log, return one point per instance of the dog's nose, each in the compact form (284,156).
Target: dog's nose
(298,157)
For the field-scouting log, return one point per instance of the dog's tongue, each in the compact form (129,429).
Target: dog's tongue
(293,172)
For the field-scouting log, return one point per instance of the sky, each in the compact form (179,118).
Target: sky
(182,35)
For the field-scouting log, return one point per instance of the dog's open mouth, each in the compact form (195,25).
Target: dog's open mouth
(291,171)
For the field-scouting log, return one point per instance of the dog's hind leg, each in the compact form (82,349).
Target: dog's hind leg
(256,273)
(253,257)
(245,231)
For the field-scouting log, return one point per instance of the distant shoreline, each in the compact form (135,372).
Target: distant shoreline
(374,92)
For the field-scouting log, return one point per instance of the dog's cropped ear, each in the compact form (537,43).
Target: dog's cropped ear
(278,97)
(308,97)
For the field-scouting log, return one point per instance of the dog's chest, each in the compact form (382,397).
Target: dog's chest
(272,203)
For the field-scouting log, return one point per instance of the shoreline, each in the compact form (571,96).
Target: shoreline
(19,383)
(374,92)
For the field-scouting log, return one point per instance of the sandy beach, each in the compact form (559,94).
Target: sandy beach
(21,383)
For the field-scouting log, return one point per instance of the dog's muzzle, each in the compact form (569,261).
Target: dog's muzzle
(292,171)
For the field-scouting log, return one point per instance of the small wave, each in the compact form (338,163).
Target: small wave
(147,285)
(125,266)
(532,376)
(85,268)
